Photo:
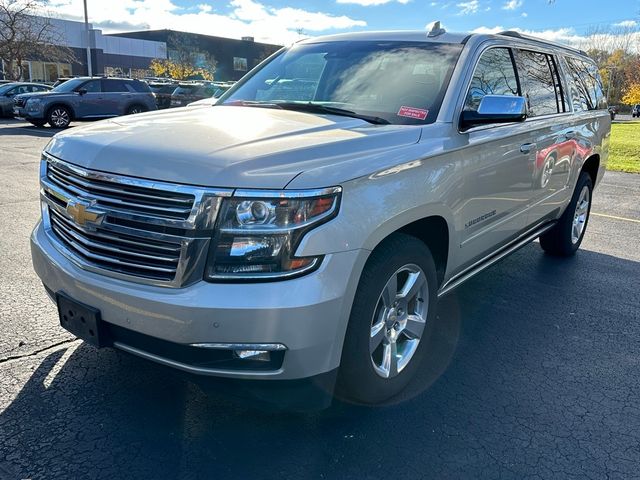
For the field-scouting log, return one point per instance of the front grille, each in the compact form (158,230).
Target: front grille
(126,254)
(151,232)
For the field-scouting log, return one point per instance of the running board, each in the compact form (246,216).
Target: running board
(478,267)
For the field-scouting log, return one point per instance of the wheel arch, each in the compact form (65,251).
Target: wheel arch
(592,165)
(434,228)
(61,104)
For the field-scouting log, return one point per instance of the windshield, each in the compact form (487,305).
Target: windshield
(69,85)
(6,88)
(400,82)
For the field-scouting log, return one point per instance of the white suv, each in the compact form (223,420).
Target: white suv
(304,227)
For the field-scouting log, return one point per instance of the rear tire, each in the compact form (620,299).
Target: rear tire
(59,116)
(388,332)
(136,108)
(565,237)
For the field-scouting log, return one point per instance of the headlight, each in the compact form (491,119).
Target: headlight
(258,233)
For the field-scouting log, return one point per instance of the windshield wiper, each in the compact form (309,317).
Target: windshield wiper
(320,108)
(316,108)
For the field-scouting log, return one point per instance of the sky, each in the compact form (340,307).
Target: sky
(286,21)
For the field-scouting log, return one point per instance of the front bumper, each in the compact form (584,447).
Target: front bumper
(22,112)
(308,315)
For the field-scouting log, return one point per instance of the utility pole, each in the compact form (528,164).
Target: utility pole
(86,31)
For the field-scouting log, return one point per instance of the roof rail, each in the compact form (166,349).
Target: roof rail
(515,34)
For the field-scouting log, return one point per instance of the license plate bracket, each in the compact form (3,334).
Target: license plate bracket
(81,320)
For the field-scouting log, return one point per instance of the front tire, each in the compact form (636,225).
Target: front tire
(59,117)
(391,320)
(565,237)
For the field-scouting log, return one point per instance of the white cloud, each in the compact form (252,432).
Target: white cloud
(247,18)
(369,3)
(524,14)
(469,7)
(512,4)
(626,24)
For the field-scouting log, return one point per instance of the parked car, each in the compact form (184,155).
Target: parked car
(208,102)
(303,242)
(162,92)
(85,98)
(8,91)
(186,93)
(635,111)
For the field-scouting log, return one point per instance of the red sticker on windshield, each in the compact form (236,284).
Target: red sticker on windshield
(410,112)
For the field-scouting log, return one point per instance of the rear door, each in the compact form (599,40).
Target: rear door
(549,123)
(116,96)
(497,177)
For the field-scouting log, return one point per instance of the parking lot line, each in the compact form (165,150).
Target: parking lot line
(624,219)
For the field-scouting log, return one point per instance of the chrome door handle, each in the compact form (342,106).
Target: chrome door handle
(527,147)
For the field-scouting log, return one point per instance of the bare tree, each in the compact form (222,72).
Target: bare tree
(27,34)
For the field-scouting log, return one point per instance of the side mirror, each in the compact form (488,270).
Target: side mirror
(495,109)
(82,91)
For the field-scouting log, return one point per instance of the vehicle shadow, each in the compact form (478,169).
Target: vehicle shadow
(15,127)
(507,346)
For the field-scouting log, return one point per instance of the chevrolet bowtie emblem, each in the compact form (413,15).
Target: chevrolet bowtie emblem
(80,211)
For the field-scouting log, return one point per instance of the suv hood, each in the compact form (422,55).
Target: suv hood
(231,146)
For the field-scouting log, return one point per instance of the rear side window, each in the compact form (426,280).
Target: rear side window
(494,75)
(586,85)
(539,82)
(114,86)
(137,86)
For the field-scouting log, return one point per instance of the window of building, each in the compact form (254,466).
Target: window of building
(494,75)
(240,64)
(538,83)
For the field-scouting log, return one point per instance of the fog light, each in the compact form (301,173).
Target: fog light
(259,355)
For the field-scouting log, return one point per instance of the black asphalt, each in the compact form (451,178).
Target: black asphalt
(536,374)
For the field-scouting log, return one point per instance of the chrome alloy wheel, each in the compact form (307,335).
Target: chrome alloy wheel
(547,170)
(60,117)
(580,215)
(399,320)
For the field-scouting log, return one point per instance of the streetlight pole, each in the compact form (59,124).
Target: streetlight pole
(86,31)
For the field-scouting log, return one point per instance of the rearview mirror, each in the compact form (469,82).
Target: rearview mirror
(495,109)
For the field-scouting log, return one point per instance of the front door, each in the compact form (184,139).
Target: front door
(496,162)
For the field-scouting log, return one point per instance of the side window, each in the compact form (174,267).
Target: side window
(113,86)
(594,79)
(580,97)
(92,86)
(538,83)
(588,85)
(494,75)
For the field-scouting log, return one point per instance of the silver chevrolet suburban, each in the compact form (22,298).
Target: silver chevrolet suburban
(300,231)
